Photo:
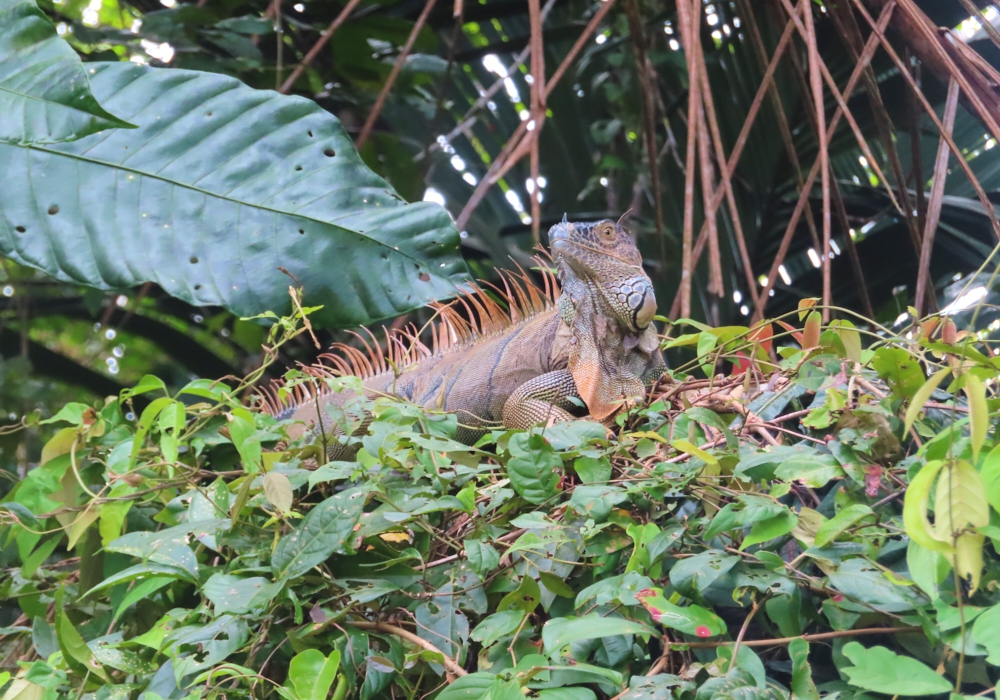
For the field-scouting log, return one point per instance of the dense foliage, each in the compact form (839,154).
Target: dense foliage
(745,535)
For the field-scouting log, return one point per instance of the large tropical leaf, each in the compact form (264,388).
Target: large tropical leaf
(221,192)
(44,92)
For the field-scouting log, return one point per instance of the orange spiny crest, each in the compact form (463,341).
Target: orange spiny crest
(473,314)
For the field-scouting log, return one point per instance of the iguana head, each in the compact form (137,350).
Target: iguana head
(602,258)
(608,303)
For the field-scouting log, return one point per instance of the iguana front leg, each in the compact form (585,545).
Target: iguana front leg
(544,400)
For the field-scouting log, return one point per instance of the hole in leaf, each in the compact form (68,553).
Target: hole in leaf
(310,133)
(301,231)
(20,229)
(194,260)
(197,287)
(424,277)
(329,153)
(54,209)
(298,167)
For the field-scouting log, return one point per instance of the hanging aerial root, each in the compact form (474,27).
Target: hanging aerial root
(478,311)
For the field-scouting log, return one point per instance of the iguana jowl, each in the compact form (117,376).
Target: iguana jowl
(530,364)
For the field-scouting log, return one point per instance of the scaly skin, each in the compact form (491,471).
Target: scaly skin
(596,345)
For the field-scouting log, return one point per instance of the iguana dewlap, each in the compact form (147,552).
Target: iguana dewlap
(533,363)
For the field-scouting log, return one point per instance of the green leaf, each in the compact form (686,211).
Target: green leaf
(497,626)
(525,597)
(559,632)
(592,470)
(440,622)
(312,674)
(921,396)
(915,520)
(471,687)
(534,474)
(802,683)
(770,529)
(576,693)
(74,649)
(233,594)
(688,448)
(960,501)
(979,412)
(218,191)
(991,477)
(880,670)
(45,96)
(901,371)
(142,591)
(149,415)
(692,619)
(556,585)
(483,557)
(641,535)
(928,569)
(325,531)
(986,631)
(846,518)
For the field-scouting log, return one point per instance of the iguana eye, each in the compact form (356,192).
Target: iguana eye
(607,231)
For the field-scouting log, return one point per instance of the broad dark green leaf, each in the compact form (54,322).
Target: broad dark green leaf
(325,531)
(534,473)
(219,189)
(440,622)
(45,96)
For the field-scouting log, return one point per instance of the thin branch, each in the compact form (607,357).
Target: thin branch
(806,637)
(816,83)
(937,196)
(324,37)
(366,130)
(537,109)
(743,631)
(689,35)
(448,662)
(707,170)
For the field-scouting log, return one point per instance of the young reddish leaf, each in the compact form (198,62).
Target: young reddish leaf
(762,334)
(805,305)
(810,334)
(795,332)
(949,333)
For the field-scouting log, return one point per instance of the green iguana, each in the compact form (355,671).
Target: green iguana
(533,363)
